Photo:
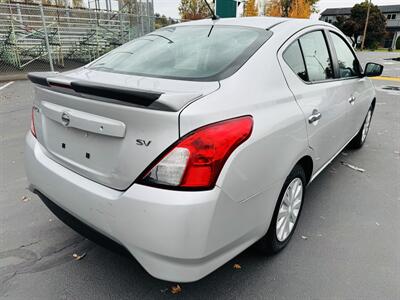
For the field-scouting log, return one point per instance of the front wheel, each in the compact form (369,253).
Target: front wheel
(359,140)
(286,214)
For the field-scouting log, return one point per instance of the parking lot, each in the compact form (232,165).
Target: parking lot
(345,246)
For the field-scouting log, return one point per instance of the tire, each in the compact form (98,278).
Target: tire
(274,241)
(358,141)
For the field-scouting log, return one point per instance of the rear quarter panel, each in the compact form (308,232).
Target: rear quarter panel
(279,137)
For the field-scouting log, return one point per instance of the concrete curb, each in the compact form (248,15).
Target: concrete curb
(13,77)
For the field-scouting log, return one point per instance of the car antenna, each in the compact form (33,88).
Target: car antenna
(214,16)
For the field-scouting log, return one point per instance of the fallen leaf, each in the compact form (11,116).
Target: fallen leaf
(25,198)
(304,237)
(176,289)
(79,257)
(237,266)
(352,167)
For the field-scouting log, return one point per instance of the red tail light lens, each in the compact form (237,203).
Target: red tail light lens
(196,160)
(33,130)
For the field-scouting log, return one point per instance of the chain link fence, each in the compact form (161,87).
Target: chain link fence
(47,38)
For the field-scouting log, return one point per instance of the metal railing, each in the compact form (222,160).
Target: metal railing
(42,38)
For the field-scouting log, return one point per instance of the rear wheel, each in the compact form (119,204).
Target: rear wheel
(287,212)
(359,140)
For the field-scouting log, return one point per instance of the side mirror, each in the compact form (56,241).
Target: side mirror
(373,69)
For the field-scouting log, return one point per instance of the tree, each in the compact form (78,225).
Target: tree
(162,21)
(354,25)
(376,24)
(299,9)
(193,9)
(291,8)
(250,9)
(347,26)
(77,3)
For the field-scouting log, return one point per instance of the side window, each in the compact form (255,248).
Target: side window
(294,59)
(348,63)
(316,56)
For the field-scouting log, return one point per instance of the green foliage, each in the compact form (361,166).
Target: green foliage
(162,21)
(354,25)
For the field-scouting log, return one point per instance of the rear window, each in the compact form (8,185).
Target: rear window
(186,52)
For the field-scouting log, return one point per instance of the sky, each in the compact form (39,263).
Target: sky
(170,7)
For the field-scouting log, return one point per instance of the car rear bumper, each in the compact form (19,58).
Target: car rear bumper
(175,235)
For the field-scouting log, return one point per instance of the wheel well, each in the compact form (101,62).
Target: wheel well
(307,164)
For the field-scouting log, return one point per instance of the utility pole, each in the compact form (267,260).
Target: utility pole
(366,25)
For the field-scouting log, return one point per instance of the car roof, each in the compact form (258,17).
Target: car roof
(257,22)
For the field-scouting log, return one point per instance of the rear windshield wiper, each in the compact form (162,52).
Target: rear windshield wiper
(102,68)
(164,37)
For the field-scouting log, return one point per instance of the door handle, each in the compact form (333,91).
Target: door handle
(315,116)
(352,99)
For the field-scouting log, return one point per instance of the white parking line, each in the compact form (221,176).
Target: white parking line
(6,85)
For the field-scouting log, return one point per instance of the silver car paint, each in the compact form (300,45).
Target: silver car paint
(180,235)
(121,126)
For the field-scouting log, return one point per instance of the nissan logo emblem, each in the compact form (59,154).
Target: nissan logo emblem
(65,119)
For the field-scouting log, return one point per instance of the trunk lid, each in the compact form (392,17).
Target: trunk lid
(109,127)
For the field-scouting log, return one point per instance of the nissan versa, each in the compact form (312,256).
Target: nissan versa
(191,143)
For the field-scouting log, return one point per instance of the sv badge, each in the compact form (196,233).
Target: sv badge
(142,143)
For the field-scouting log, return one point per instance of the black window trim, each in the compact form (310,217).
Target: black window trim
(297,41)
(304,60)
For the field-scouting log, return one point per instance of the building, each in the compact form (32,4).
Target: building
(391,12)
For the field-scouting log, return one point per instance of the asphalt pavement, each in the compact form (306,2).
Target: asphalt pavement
(346,245)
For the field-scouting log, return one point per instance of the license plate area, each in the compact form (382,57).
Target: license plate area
(81,150)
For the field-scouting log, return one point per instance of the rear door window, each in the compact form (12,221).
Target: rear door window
(294,58)
(316,55)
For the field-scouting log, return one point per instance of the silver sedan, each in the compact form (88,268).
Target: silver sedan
(190,144)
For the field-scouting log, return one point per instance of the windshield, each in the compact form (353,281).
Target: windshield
(186,52)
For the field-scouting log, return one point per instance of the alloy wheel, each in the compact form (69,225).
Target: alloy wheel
(365,129)
(289,209)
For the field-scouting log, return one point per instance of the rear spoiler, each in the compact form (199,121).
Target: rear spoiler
(124,94)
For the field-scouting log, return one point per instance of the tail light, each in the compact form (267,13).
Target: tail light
(195,161)
(33,130)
